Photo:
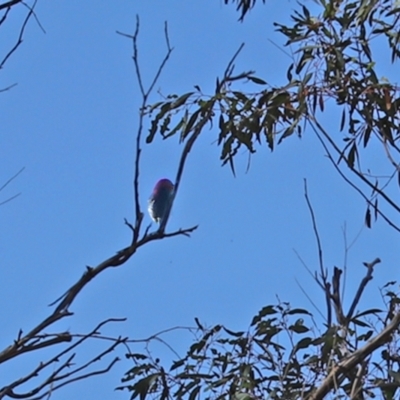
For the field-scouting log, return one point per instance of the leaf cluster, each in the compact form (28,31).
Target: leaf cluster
(335,58)
(281,355)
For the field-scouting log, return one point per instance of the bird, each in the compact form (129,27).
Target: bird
(160,200)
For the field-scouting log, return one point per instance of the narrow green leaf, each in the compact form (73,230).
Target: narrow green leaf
(267,310)
(368,312)
(298,328)
(232,333)
(298,311)
(241,96)
(365,336)
(351,155)
(175,129)
(194,393)
(154,123)
(394,11)
(368,218)
(152,107)
(289,74)
(232,165)
(367,135)
(177,364)
(137,356)
(190,123)
(270,138)
(304,343)
(288,132)
(321,102)
(199,325)
(314,103)
(257,80)
(142,387)
(360,323)
(164,127)
(307,78)
(152,131)
(343,120)
(306,12)
(181,100)
(280,98)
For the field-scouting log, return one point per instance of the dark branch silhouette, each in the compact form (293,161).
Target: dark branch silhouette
(37,338)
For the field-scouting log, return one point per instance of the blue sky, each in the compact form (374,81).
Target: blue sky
(71,122)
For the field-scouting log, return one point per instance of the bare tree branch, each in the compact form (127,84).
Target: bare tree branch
(9,4)
(145,97)
(370,269)
(324,274)
(57,375)
(21,33)
(36,338)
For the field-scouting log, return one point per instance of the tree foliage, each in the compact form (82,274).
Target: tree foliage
(282,354)
(286,353)
(335,60)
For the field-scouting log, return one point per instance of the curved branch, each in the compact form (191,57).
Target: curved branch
(56,376)
(21,32)
(338,373)
(34,339)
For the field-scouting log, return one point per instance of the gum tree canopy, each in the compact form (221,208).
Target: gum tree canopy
(333,70)
(337,52)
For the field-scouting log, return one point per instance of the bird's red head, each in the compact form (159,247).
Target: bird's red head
(164,184)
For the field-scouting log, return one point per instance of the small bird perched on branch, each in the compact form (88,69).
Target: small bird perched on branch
(160,200)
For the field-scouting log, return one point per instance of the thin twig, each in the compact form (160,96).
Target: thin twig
(310,300)
(56,375)
(145,96)
(316,233)
(8,87)
(346,179)
(34,15)
(360,175)
(197,129)
(370,269)
(323,272)
(10,198)
(313,275)
(21,33)
(11,179)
